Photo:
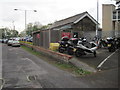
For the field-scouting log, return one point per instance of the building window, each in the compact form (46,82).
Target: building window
(114,15)
(119,15)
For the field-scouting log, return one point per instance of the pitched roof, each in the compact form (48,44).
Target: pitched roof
(72,19)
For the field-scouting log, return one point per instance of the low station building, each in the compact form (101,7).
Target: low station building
(80,25)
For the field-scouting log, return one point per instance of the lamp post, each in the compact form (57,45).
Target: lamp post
(13,25)
(97,18)
(25,15)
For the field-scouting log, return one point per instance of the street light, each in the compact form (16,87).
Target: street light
(25,14)
(13,25)
(97,17)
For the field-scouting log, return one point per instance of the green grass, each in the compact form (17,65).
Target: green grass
(64,66)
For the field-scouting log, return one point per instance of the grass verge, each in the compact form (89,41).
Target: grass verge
(64,66)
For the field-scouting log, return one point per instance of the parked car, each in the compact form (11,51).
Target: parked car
(10,41)
(0,40)
(15,43)
(29,39)
(5,40)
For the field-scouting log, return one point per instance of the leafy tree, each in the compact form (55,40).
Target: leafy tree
(29,29)
(14,33)
(35,27)
(22,34)
(7,33)
(4,32)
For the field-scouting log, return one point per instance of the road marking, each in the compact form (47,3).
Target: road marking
(98,67)
(28,60)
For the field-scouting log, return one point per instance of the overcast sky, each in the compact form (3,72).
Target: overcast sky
(48,11)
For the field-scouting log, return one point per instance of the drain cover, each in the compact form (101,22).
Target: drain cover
(31,78)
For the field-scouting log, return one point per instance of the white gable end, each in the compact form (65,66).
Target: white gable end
(84,17)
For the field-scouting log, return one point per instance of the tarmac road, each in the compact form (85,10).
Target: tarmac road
(24,70)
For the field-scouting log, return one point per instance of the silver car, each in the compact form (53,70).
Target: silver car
(15,43)
(10,41)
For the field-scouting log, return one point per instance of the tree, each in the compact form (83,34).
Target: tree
(7,33)
(46,26)
(35,27)
(29,29)
(4,32)
(14,33)
(22,34)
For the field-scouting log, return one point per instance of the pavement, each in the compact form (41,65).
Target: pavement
(21,69)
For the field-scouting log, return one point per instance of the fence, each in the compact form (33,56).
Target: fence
(44,37)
